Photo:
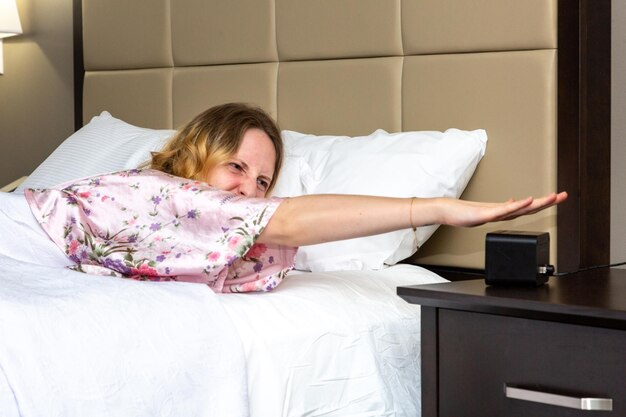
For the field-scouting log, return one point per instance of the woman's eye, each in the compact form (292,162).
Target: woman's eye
(263,185)
(235,166)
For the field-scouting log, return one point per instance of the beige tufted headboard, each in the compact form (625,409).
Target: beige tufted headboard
(352,66)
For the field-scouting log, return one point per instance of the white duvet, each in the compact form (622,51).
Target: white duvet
(323,344)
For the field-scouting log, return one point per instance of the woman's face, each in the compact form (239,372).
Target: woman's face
(250,170)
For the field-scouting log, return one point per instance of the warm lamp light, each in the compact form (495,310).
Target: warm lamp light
(9,24)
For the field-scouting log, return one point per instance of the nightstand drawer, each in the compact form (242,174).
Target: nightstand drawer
(480,354)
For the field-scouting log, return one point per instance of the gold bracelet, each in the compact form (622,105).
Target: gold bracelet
(411,213)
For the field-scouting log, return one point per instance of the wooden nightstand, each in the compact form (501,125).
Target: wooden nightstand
(484,348)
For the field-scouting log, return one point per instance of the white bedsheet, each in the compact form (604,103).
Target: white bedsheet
(333,344)
(323,344)
(77,345)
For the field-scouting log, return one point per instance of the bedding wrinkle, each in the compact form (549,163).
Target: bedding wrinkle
(94,346)
(333,344)
(8,402)
(22,237)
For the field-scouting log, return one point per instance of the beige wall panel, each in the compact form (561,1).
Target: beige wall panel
(196,89)
(223,31)
(513,96)
(139,97)
(444,26)
(347,97)
(323,29)
(143,28)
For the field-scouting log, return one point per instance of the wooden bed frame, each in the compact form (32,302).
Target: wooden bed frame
(582,126)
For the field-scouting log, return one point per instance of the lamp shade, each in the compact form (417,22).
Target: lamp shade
(9,19)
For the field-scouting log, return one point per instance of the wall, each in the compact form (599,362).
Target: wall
(36,99)
(618,133)
(36,90)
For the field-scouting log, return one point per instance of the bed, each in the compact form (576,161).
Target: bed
(333,339)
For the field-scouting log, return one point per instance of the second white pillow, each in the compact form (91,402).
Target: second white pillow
(405,164)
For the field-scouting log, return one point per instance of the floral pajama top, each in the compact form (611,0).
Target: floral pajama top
(148,225)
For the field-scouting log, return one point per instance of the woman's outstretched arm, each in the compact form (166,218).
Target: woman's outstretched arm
(312,219)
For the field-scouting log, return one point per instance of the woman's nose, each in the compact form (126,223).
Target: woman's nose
(247,187)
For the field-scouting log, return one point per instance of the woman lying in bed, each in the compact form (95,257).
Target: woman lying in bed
(199,211)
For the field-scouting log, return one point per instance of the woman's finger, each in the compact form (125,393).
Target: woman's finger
(539,204)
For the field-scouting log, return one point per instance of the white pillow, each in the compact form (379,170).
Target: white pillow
(288,183)
(406,164)
(105,144)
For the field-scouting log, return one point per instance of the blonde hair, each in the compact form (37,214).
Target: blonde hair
(211,138)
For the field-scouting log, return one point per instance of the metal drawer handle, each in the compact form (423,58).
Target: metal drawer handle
(558,400)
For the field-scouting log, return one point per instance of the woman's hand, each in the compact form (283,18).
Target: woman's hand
(469,213)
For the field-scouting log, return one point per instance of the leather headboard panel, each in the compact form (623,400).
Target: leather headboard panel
(347,67)
(348,97)
(223,31)
(121,34)
(514,95)
(454,26)
(309,30)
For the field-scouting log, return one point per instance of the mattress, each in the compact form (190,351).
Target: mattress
(321,344)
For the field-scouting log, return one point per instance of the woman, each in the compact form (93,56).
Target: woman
(199,213)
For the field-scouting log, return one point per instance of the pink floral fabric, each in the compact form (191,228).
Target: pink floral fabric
(148,225)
